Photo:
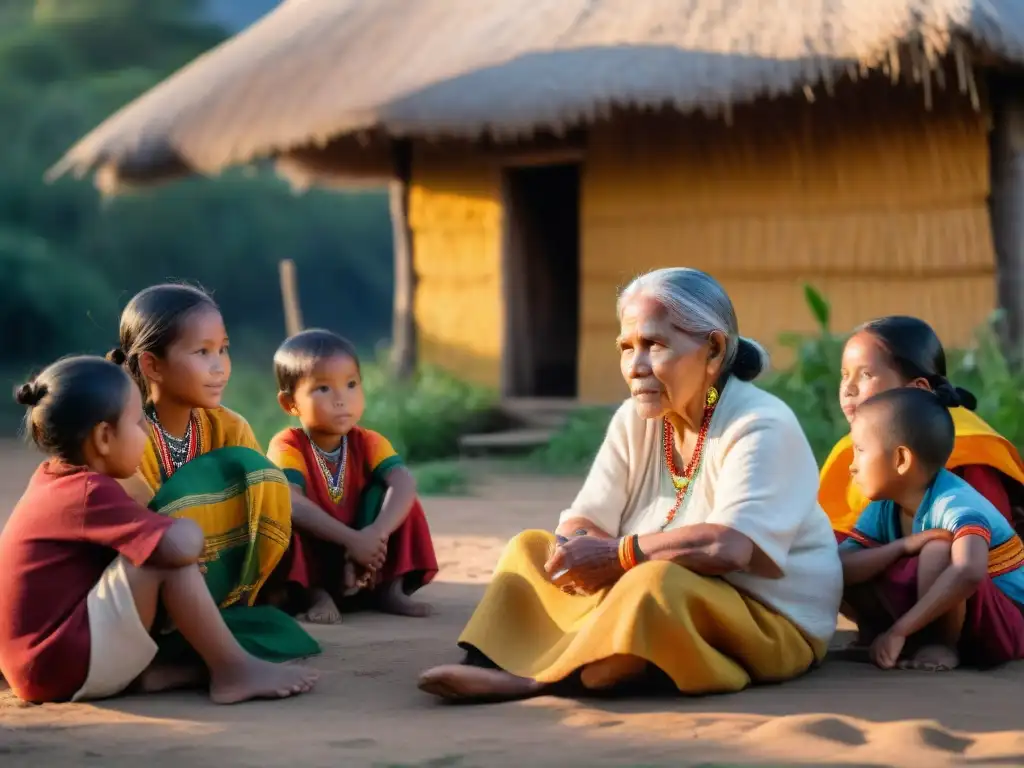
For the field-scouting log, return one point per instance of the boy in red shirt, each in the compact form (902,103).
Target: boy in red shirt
(83,567)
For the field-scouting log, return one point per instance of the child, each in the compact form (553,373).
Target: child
(899,351)
(84,567)
(930,564)
(356,476)
(173,343)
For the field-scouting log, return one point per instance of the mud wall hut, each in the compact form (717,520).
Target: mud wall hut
(541,156)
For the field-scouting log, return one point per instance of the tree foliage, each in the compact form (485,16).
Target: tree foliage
(70,260)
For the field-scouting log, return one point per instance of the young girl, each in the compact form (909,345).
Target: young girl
(380,536)
(174,345)
(202,461)
(84,567)
(899,351)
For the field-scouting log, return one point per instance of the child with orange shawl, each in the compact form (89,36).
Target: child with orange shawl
(899,351)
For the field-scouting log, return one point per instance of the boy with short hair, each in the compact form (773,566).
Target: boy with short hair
(930,563)
(355,475)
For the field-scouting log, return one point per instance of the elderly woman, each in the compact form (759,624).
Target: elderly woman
(696,546)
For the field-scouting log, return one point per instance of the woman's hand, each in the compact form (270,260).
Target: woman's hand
(591,563)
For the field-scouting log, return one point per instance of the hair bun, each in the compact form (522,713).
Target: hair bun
(947,394)
(29,394)
(967,398)
(117,356)
(751,360)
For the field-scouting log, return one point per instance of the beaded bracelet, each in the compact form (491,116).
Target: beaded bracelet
(630,554)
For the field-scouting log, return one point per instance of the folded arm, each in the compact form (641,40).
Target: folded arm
(710,550)
(863,565)
(968,567)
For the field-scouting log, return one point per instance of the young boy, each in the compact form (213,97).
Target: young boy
(379,537)
(930,564)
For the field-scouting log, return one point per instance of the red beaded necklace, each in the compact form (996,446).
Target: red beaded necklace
(683,480)
(169,463)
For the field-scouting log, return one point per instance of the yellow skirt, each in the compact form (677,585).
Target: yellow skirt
(699,630)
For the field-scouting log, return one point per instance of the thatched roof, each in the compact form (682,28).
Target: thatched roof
(316,70)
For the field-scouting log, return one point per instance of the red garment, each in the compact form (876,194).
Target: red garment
(993,631)
(989,483)
(68,527)
(311,562)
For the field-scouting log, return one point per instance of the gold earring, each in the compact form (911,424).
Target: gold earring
(712,397)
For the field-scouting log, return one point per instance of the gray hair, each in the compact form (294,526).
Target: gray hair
(698,305)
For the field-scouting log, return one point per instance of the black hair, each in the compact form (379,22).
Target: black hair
(296,358)
(918,419)
(915,352)
(68,399)
(751,360)
(152,321)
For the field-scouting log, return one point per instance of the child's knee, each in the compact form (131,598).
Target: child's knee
(936,552)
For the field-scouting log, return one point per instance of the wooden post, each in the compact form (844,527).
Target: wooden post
(290,297)
(403,332)
(1006,205)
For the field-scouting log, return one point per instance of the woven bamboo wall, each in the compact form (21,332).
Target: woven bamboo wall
(877,202)
(455,214)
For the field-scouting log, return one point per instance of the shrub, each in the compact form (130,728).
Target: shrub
(574,446)
(441,478)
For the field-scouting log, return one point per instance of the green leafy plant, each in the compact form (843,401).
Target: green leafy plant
(573,447)
(810,385)
(441,478)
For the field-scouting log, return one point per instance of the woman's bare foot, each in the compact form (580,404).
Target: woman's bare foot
(932,658)
(459,682)
(607,673)
(256,679)
(322,611)
(392,599)
(172,677)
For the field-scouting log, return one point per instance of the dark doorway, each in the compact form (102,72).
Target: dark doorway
(542,281)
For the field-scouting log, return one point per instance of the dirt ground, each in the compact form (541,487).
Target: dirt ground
(367,711)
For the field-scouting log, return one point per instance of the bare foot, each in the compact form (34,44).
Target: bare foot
(256,679)
(171,677)
(394,600)
(459,682)
(322,611)
(932,658)
(607,673)
(349,579)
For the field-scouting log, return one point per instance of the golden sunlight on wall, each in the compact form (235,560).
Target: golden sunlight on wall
(878,203)
(455,214)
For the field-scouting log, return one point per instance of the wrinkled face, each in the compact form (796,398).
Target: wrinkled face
(876,466)
(866,371)
(124,442)
(667,370)
(330,401)
(196,367)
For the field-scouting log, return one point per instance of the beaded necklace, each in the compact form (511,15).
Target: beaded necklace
(339,457)
(175,452)
(683,481)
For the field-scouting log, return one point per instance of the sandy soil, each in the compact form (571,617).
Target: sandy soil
(367,711)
